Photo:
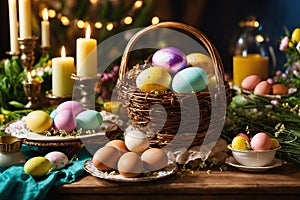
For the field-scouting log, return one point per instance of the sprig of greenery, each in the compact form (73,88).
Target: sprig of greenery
(11,77)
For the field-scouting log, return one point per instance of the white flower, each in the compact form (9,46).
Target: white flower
(298,47)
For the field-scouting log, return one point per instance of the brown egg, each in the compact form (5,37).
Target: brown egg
(119,144)
(106,158)
(279,89)
(250,82)
(130,165)
(262,88)
(154,159)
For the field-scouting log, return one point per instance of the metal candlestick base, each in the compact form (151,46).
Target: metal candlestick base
(32,91)
(27,47)
(86,86)
(56,100)
(45,50)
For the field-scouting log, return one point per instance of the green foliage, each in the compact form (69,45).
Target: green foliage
(279,118)
(11,88)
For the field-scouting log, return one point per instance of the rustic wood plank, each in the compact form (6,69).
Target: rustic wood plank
(279,183)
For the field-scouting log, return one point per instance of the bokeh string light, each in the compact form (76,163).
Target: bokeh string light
(126,20)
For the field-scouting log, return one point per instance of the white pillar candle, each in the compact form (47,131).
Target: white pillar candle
(25,19)
(62,69)
(86,55)
(13,26)
(45,27)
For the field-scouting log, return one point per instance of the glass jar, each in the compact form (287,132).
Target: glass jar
(253,53)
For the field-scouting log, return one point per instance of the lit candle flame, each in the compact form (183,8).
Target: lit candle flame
(63,52)
(45,14)
(30,76)
(88,32)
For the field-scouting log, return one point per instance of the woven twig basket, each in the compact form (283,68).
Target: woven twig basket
(145,108)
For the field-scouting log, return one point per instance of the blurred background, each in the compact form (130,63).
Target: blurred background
(219,20)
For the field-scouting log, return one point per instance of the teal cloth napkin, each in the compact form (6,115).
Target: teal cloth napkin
(16,184)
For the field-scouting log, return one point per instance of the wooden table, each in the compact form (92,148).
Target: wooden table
(279,183)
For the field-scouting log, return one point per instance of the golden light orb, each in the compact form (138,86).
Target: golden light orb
(80,24)
(128,20)
(155,20)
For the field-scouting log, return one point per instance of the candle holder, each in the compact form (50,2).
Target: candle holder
(27,47)
(56,100)
(12,54)
(86,86)
(45,50)
(32,91)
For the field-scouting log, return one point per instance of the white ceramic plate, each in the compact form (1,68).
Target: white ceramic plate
(276,163)
(18,129)
(166,172)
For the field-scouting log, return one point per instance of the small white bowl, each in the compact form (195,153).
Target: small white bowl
(253,158)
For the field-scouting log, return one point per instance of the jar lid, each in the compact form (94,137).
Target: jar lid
(10,144)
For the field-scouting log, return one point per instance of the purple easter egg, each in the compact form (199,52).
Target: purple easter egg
(169,58)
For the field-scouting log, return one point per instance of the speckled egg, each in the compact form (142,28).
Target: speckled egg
(261,141)
(130,165)
(200,60)
(57,159)
(37,166)
(154,159)
(192,79)
(74,106)
(65,120)
(169,58)
(153,78)
(38,121)
(262,88)
(89,120)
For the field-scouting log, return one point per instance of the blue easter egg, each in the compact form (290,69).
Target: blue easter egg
(188,80)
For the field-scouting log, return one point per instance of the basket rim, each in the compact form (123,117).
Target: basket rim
(211,49)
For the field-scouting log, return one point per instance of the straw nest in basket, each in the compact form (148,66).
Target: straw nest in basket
(163,114)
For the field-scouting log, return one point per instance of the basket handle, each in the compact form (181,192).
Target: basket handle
(174,25)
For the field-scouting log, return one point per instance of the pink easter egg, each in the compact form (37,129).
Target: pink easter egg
(65,120)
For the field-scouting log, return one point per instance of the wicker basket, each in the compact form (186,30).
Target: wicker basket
(160,113)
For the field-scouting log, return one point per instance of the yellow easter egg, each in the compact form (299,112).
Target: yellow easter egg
(37,166)
(201,60)
(154,78)
(38,121)
(296,35)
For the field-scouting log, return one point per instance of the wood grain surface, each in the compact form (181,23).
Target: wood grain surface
(279,183)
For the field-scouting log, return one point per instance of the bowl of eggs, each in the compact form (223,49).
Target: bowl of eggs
(258,151)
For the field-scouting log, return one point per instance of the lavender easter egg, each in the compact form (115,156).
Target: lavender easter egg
(89,120)
(74,106)
(65,120)
(192,79)
(169,58)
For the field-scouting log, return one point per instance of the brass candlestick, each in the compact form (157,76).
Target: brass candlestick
(86,86)
(32,91)
(27,47)
(45,50)
(32,88)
